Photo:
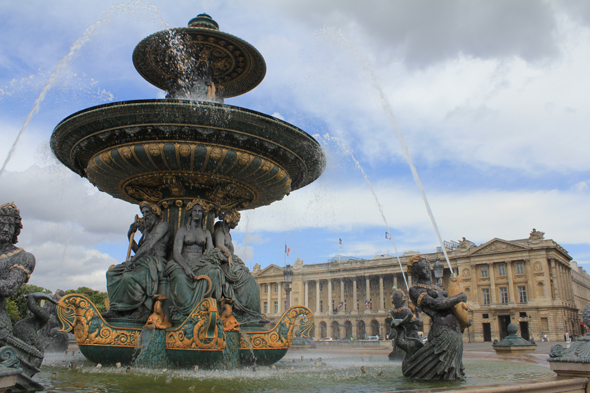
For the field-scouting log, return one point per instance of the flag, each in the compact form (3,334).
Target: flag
(339,240)
(387,235)
(340,305)
(287,249)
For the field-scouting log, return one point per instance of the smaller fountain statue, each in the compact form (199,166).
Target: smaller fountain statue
(408,331)
(513,343)
(132,284)
(442,356)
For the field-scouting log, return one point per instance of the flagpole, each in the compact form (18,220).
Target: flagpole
(339,247)
(285,263)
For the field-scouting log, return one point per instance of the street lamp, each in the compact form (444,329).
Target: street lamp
(439,269)
(288,273)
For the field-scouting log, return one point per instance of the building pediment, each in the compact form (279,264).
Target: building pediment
(496,246)
(271,270)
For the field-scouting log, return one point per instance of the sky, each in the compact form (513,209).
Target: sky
(490,100)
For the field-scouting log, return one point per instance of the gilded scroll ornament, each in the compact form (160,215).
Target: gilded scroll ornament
(281,335)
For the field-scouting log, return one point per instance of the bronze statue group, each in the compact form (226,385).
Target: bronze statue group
(196,264)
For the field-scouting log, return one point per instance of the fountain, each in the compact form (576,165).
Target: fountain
(187,158)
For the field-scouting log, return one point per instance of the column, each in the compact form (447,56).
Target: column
(342,332)
(510,282)
(279,300)
(367,293)
(555,279)
(306,294)
(474,286)
(492,273)
(342,296)
(317,296)
(330,330)
(381,300)
(354,298)
(330,311)
(530,292)
(270,308)
(354,330)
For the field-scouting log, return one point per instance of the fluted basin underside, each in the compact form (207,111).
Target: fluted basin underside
(165,150)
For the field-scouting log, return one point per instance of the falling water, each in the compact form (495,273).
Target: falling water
(358,165)
(393,123)
(63,63)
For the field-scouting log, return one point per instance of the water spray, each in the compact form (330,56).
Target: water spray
(63,63)
(358,165)
(387,108)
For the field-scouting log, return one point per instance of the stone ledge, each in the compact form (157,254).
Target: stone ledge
(554,385)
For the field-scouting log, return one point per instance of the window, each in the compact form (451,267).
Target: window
(501,269)
(522,294)
(321,286)
(333,308)
(485,316)
(485,296)
(285,307)
(265,288)
(519,268)
(484,271)
(276,288)
(321,306)
(504,295)
(276,307)
(545,324)
(523,314)
(265,307)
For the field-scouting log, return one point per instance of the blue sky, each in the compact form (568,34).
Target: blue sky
(491,98)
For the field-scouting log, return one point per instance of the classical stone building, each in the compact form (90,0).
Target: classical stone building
(531,282)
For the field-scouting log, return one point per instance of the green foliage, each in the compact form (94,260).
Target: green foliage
(12,310)
(95,297)
(16,305)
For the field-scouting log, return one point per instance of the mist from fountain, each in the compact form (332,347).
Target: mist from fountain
(62,65)
(394,126)
(343,146)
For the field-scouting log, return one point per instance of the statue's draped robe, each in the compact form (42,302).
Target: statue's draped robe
(187,293)
(440,358)
(241,288)
(129,290)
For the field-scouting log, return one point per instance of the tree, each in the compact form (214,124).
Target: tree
(96,297)
(16,305)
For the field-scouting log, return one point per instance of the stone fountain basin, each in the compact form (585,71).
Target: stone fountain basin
(164,149)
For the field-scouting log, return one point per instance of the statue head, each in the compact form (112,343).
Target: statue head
(232,218)
(197,210)
(151,212)
(10,223)
(398,298)
(419,267)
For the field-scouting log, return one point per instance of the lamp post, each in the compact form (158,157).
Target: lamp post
(438,269)
(288,273)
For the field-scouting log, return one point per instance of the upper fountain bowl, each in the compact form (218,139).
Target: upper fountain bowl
(186,59)
(171,150)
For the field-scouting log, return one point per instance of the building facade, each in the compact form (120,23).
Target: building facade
(531,282)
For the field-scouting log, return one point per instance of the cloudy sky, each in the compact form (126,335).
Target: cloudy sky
(491,99)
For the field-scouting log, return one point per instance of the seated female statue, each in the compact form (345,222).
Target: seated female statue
(240,285)
(194,272)
(442,356)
